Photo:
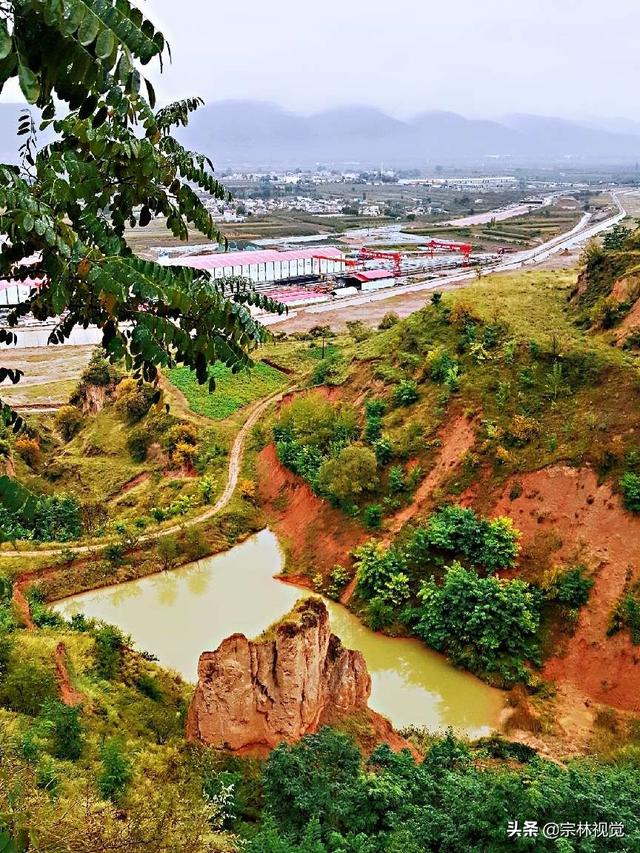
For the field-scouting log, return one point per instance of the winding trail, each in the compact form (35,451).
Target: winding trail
(233,473)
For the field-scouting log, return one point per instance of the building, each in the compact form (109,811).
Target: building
(267,265)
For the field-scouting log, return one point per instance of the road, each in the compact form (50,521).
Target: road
(233,473)
(499,215)
(578,235)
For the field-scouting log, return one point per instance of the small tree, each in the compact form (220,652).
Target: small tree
(350,474)
(630,485)
(168,551)
(116,770)
(69,421)
(66,729)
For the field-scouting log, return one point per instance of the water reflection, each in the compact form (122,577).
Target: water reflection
(177,615)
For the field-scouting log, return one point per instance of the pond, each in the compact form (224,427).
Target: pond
(178,614)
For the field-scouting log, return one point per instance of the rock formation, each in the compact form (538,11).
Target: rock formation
(296,678)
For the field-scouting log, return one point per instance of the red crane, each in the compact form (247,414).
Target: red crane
(375,254)
(463,248)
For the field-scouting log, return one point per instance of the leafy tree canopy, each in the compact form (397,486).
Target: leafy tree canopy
(114,162)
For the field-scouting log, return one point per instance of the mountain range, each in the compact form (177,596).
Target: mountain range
(256,133)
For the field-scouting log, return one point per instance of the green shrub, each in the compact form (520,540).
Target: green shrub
(99,371)
(69,421)
(168,550)
(339,578)
(397,483)
(372,516)
(459,531)
(571,588)
(406,392)
(134,400)
(116,772)
(483,624)
(26,686)
(380,574)
(350,474)
(630,485)
(139,441)
(383,448)
(390,319)
(65,729)
(372,428)
(627,615)
(108,647)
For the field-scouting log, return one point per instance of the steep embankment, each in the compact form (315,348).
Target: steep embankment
(582,521)
(316,536)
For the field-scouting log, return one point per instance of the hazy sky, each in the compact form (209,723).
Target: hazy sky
(574,58)
(479,57)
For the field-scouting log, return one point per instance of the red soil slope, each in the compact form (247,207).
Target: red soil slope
(316,535)
(592,527)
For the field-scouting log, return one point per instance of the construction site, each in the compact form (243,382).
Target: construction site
(304,276)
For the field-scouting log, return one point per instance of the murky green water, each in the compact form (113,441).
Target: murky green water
(179,614)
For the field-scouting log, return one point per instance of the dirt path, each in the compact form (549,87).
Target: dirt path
(68,694)
(233,472)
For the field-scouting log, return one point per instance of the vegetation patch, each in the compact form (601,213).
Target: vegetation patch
(233,390)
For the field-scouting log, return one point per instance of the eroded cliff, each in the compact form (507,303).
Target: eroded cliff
(290,682)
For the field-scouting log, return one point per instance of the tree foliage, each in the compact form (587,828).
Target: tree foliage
(320,797)
(484,624)
(113,162)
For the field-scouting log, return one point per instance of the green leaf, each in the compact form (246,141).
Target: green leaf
(88,30)
(5,40)
(105,44)
(28,84)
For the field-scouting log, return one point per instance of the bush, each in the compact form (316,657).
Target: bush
(26,687)
(373,428)
(358,330)
(134,400)
(109,643)
(349,475)
(483,624)
(383,448)
(390,319)
(99,371)
(406,393)
(138,443)
(571,588)
(630,485)
(339,578)
(116,770)
(380,574)
(28,449)
(372,516)
(459,531)
(57,519)
(69,421)
(195,544)
(168,551)
(65,729)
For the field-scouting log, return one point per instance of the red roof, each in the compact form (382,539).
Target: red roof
(236,259)
(372,275)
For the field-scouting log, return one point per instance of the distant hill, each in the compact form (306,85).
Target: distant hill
(256,133)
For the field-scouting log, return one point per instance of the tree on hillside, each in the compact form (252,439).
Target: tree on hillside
(114,162)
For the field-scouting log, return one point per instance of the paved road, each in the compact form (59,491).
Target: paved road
(499,215)
(233,472)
